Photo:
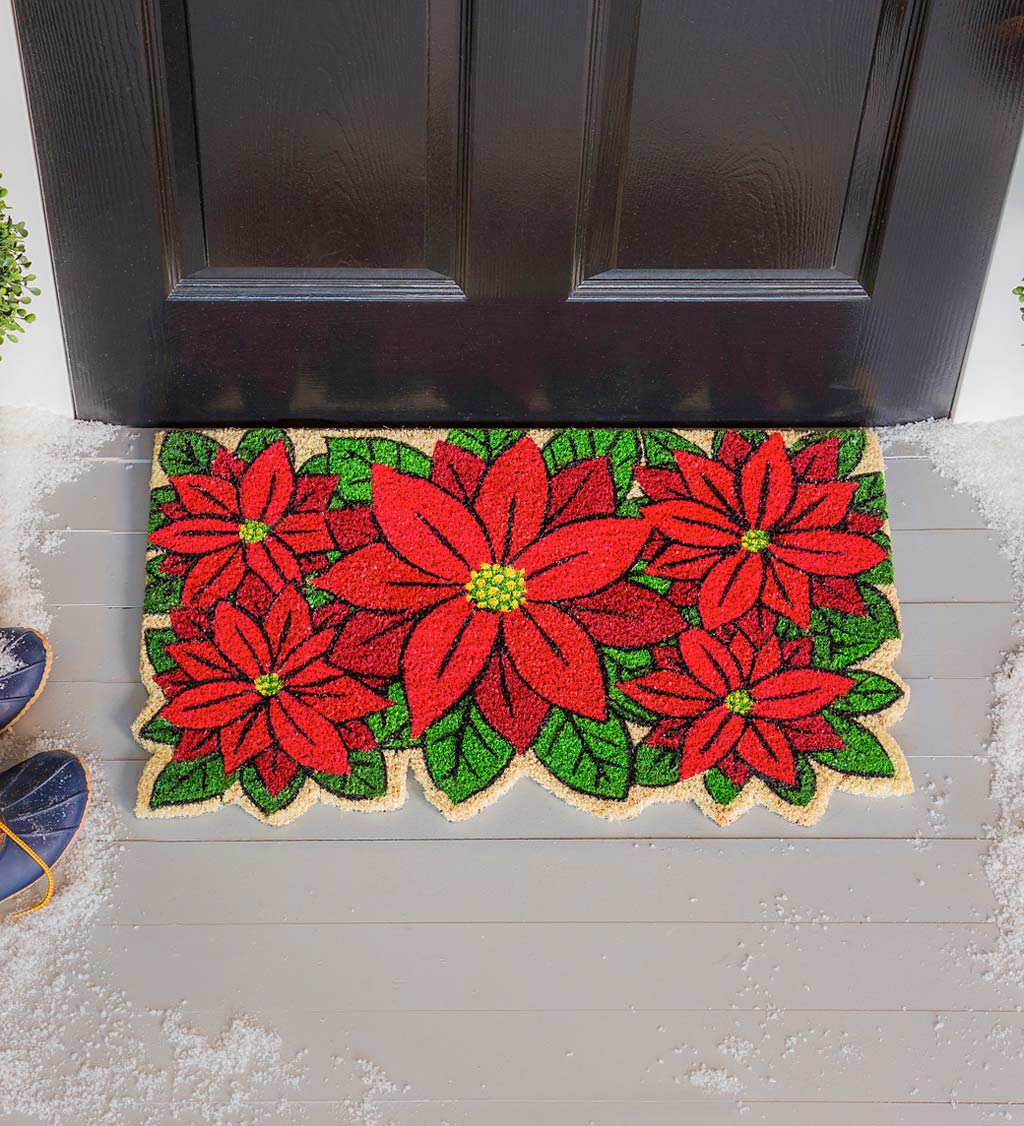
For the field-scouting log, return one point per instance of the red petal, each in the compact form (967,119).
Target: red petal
(864,523)
(709,662)
(669,693)
(375,578)
(254,596)
(227,466)
(731,587)
(694,524)
(709,482)
(581,490)
(766,483)
(336,695)
(797,653)
(352,527)
(268,485)
(679,561)
(306,736)
(174,682)
(202,660)
(787,591)
(667,657)
(189,623)
(428,527)
(244,739)
(819,505)
(837,593)
(627,615)
(795,693)
(304,532)
(734,449)
(766,749)
(736,771)
(669,733)
(176,565)
(457,471)
(581,558)
(758,623)
(241,640)
(709,738)
(195,744)
(513,499)
(356,735)
(197,535)
(445,654)
(556,658)
(371,643)
(214,577)
(275,563)
(827,552)
(288,624)
(203,495)
(275,769)
(313,492)
(509,704)
(767,660)
(812,733)
(661,484)
(211,705)
(818,462)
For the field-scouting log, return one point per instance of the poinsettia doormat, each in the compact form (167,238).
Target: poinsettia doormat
(626,616)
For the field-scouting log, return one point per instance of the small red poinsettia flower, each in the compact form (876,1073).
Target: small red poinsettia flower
(244,520)
(740,705)
(267,693)
(510,577)
(762,529)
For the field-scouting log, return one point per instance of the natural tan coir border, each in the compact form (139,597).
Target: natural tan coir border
(309,442)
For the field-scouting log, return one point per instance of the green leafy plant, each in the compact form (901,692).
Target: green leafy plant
(16,290)
(1018,292)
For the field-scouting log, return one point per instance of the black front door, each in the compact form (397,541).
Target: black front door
(607,210)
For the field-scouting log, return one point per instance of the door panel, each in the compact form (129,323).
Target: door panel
(655,210)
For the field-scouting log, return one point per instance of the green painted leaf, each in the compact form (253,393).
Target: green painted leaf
(637,575)
(805,788)
(587,755)
(392,727)
(313,466)
(485,442)
(881,573)
(160,731)
(788,630)
(464,754)
(863,754)
(367,777)
(851,446)
(352,459)
(754,437)
(720,786)
(184,451)
(627,664)
(842,639)
(621,447)
(157,641)
(871,693)
(655,766)
(266,802)
(660,445)
(254,442)
(163,592)
(870,494)
(162,494)
(198,779)
(316,596)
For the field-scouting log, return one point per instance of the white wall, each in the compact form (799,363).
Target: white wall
(992,384)
(34,371)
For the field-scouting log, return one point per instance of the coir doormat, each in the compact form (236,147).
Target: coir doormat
(626,616)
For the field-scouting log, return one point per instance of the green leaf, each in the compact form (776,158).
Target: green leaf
(464,754)
(314,466)
(788,630)
(637,575)
(863,754)
(804,789)
(870,494)
(851,446)
(367,777)
(184,451)
(392,727)
(627,664)
(198,779)
(266,802)
(485,442)
(872,693)
(660,445)
(842,639)
(163,592)
(720,786)
(587,755)
(316,596)
(157,641)
(621,447)
(656,766)
(754,437)
(254,442)
(352,459)
(162,494)
(881,573)
(160,731)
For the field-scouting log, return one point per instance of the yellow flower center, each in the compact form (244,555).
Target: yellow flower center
(755,539)
(269,684)
(739,702)
(253,531)
(493,586)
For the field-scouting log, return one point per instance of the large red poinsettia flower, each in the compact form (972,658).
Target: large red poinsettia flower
(765,530)
(267,693)
(510,578)
(740,705)
(244,520)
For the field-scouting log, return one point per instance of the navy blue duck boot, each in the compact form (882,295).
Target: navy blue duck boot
(42,804)
(25,660)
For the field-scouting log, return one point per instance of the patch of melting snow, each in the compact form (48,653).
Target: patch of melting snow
(9,659)
(714,1080)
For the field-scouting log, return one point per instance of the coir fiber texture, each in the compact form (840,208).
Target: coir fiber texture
(626,616)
